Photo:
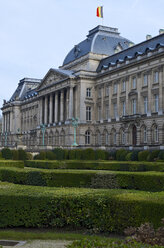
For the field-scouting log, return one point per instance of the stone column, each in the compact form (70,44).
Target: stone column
(150,103)
(67,104)
(51,108)
(102,103)
(118,102)
(56,107)
(127,96)
(5,122)
(41,111)
(45,109)
(70,102)
(160,112)
(2,123)
(139,87)
(62,106)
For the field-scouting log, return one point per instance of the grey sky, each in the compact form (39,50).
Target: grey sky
(36,35)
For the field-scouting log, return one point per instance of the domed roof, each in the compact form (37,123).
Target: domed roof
(100,40)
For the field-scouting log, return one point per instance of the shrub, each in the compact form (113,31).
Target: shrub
(147,234)
(22,154)
(107,243)
(50,155)
(72,154)
(59,153)
(100,154)
(6,153)
(145,181)
(161,155)
(17,164)
(66,153)
(128,156)
(112,155)
(79,154)
(134,156)
(40,156)
(104,181)
(15,155)
(142,156)
(29,156)
(1,155)
(97,165)
(121,155)
(153,155)
(103,210)
(88,154)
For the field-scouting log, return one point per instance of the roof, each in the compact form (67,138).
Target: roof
(64,72)
(100,40)
(139,49)
(26,88)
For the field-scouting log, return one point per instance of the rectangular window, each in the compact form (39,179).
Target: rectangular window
(134,83)
(115,110)
(123,85)
(88,113)
(107,91)
(156,103)
(123,108)
(115,89)
(99,93)
(107,112)
(134,106)
(88,92)
(145,79)
(145,104)
(156,77)
(99,113)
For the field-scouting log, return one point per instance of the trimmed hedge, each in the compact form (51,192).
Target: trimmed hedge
(146,181)
(95,165)
(104,210)
(11,163)
(106,243)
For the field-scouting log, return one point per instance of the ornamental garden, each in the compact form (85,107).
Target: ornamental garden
(98,191)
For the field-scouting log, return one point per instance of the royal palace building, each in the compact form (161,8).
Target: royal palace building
(113,87)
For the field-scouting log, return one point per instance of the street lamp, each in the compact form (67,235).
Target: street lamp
(43,128)
(75,124)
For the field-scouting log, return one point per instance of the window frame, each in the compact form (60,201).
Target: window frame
(88,113)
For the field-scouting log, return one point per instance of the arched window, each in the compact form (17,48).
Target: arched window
(62,138)
(155,134)
(122,137)
(87,137)
(98,138)
(106,138)
(144,134)
(51,138)
(113,137)
(56,138)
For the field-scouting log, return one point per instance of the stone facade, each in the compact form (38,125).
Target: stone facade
(117,98)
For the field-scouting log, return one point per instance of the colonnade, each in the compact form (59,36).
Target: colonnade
(57,107)
(7,122)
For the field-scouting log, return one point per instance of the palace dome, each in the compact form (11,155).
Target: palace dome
(100,40)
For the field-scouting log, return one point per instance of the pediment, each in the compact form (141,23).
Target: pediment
(51,77)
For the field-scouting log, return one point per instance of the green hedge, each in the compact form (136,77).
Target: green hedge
(96,165)
(103,210)
(11,163)
(106,243)
(146,181)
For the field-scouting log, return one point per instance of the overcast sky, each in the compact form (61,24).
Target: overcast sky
(36,35)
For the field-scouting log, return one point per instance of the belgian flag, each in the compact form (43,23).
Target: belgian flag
(100,11)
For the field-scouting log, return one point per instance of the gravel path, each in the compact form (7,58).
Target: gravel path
(42,244)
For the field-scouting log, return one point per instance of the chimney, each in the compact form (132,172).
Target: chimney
(148,37)
(161,31)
